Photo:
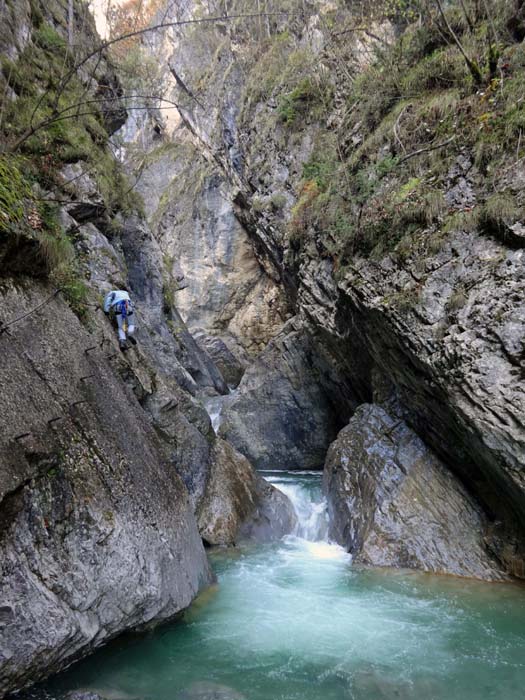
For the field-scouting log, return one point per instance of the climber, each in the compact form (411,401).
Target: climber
(118,306)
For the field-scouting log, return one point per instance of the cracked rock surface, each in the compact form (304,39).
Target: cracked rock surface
(97,532)
(393,503)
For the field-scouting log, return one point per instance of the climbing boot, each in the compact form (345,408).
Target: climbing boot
(132,339)
(123,345)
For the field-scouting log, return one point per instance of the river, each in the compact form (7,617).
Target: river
(295,620)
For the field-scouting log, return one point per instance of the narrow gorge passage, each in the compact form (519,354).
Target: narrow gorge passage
(295,620)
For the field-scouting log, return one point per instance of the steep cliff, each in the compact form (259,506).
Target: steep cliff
(329,197)
(97,530)
(374,159)
(111,475)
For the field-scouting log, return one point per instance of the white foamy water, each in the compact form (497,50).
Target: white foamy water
(308,502)
(294,620)
(213,406)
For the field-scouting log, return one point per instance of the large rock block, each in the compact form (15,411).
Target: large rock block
(238,503)
(392,502)
(97,533)
(284,414)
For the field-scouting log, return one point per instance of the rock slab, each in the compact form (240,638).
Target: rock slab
(97,533)
(392,502)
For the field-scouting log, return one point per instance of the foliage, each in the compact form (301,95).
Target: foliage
(14,189)
(302,100)
(380,187)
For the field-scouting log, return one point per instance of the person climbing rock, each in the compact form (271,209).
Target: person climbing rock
(118,306)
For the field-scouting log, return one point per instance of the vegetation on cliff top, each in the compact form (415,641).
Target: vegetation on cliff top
(53,115)
(440,102)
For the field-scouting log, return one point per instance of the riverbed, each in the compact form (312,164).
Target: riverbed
(296,620)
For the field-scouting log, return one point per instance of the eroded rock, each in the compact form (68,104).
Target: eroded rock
(283,415)
(229,365)
(238,503)
(97,534)
(392,502)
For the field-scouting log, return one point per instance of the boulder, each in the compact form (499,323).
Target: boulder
(226,362)
(392,502)
(273,517)
(284,414)
(238,503)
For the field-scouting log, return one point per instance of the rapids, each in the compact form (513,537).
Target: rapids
(296,621)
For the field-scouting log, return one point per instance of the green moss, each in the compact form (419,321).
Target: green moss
(49,39)
(406,190)
(14,190)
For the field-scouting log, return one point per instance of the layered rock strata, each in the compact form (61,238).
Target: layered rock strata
(392,502)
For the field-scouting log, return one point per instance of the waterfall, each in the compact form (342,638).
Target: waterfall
(213,406)
(304,491)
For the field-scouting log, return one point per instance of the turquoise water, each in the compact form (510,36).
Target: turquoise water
(296,621)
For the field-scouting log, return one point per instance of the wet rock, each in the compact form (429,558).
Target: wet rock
(228,364)
(392,502)
(273,517)
(282,416)
(238,503)
(97,534)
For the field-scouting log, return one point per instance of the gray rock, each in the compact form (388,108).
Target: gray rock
(83,695)
(282,416)
(97,534)
(238,503)
(393,503)
(228,364)
(273,517)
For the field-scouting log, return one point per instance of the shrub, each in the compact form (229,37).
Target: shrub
(498,213)
(300,101)
(48,38)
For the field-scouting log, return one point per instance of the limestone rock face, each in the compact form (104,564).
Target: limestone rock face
(454,363)
(97,533)
(230,366)
(218,282)
(393,503)
(282,416)
(166,371)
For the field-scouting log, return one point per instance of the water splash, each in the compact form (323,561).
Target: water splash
(309,504)
(214,406)
(291,619)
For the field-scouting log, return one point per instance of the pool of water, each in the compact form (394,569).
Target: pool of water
(296,621)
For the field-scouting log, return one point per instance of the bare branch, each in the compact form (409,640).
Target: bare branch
(139,32)
(472,66)
(425,150)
